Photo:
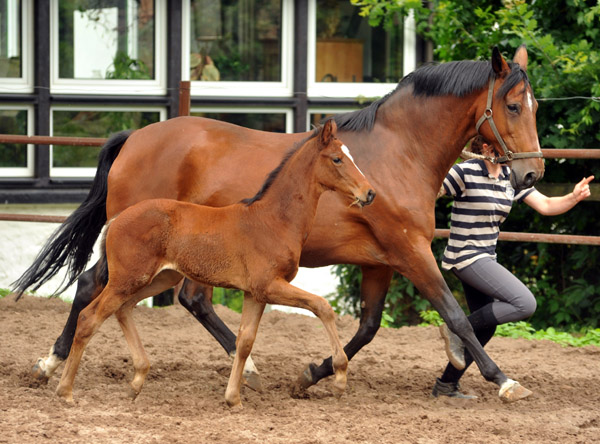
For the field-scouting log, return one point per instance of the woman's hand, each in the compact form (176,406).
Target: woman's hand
(582,189)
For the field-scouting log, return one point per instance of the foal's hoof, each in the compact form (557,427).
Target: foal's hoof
(512,391)
(304,381)
(39,372)
(132,393)
(252,380)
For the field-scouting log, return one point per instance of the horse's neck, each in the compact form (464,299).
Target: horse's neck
(294,194)
(431,130)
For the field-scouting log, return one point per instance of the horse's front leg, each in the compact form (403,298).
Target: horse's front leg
(374,287)
(283,293)
(44,368)
(197,299)
(425,274)
(251,313)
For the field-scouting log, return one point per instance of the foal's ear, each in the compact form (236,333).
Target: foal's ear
(521,57)
(328,132)
(498,63)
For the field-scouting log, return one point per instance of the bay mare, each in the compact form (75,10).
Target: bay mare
(405,144)
(253,245)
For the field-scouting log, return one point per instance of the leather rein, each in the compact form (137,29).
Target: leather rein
(508,154)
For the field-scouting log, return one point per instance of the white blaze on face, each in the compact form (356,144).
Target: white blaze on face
(346,151)
(529,100)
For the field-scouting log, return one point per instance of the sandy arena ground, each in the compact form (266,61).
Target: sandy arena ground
(386,401)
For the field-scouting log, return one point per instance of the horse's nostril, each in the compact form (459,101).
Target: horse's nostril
(370,196)
(529,179)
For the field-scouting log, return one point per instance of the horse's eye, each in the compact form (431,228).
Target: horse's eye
(337,160)
(514,108)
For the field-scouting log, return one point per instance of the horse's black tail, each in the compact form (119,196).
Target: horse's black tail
(72,243)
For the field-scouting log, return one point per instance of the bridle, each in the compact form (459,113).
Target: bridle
(487,115)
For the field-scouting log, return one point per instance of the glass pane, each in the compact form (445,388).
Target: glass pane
(106,39)
(235,40)
(10,38)
(349,50)
(265,122)
(13,154)
(92,124)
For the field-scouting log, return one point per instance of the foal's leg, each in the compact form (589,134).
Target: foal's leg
(251,313)
(283,293)
(90,319)
(141,363)
(87,289)
(375,284)
(197,299)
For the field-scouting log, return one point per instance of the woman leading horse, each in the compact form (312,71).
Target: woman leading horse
(405,143)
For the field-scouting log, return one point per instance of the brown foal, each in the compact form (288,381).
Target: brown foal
(253,245)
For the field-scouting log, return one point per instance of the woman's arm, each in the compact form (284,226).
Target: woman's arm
(551,206)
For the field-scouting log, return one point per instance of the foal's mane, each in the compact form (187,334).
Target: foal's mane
(273,174)
(458,78)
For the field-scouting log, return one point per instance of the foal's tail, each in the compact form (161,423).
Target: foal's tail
(72,243)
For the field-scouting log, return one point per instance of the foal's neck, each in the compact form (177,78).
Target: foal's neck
(294,194)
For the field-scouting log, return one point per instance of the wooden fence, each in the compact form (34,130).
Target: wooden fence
(184,110)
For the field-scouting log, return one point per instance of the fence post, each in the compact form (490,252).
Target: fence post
(184,97)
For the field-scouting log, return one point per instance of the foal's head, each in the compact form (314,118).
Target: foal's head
(336,169)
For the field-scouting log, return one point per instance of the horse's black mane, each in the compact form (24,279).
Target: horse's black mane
(273,174)
(452,78)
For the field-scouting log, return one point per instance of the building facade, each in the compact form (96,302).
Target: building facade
(89,68)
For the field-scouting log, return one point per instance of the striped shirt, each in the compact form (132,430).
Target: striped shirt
(481,203)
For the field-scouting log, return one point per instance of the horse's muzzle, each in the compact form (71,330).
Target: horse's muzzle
(370,197)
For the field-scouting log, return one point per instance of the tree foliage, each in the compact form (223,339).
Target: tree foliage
(563,43)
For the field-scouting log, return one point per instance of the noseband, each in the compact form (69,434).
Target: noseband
(487,115)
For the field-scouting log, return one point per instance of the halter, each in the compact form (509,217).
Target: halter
(487,115)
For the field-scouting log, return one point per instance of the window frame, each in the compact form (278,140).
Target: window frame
(156,86)
(23,84)
(283,88)
(288,112)
(354,90)
(90,172)
(29,170)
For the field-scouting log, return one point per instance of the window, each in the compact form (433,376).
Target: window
(16,160)
(240,47)
(108,46)
(264,119)
(317,116)
(81,161)
(16,46)
(349,58)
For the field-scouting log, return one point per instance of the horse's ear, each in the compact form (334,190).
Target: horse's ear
(328,132)
(498,63)
(521,57)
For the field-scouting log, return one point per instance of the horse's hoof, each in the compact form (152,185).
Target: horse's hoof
(39,373)
(234,402)
(512,391)
(132,393)
(65,396)
(304,381)
(252,380)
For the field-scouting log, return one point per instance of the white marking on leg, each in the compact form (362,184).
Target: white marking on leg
(50,364)
(346,151)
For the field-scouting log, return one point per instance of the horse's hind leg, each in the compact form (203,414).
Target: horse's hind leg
(374,287)
(141,363)
(281,292)
(197,299)
(251,314)
(88,323)
(87,289)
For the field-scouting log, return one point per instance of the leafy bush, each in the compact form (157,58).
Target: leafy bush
(563,43)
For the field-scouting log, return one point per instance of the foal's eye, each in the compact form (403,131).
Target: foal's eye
(514,108)
(337,160)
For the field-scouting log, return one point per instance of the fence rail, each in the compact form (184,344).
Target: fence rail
(184,109)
